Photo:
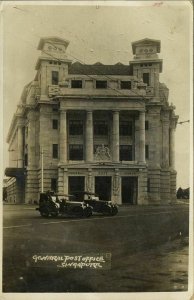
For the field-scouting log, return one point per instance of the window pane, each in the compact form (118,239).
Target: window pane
(125,128)
(55,108)
(146,125)
(146,151)
(75,152)
(55,124)
(55,150)
(126,152)
(75,127)
(126,85)
(55,77)
(101,84)
(53,184)
(146,78)
(100,128)
(76,84)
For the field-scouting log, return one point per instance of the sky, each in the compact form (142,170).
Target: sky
(101,31)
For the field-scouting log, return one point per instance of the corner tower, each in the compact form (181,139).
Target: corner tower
(52,65)
(146,65)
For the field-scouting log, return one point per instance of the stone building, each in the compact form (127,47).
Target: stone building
(107,129)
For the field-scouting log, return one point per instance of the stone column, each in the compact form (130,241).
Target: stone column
(63,136)
(165,139)
(31,140)
(89,136)
(172,145)
(60,180)
(155,136)
(142,136)
(65,182)
(43,82)
(115,137)
(20,147)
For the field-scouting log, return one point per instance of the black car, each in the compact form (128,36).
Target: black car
(52,205)
(98,206)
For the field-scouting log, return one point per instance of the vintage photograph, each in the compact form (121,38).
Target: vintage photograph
(97,119)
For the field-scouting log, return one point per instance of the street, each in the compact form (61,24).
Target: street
(148,246)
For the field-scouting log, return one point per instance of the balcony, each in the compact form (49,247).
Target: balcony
(138,90)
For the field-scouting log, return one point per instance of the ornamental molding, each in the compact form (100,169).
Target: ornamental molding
(102,153)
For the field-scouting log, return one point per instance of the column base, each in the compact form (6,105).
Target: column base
(44,98)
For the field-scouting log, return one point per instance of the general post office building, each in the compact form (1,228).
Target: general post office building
(107,129)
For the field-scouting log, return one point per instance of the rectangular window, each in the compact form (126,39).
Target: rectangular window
(55,108)
(55,150)
(100,128)
(75,152)
(101,84)
(126,152)
(146,78)
(146,125)
(125,85)
(125,128)
(55,124)
(55,77)
(146,151)
(54,185)
(75,127)
(76,84)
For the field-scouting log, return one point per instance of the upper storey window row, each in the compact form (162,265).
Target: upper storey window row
(99,84)
(54,62)
(146,65)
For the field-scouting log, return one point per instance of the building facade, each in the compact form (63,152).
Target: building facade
(107,129)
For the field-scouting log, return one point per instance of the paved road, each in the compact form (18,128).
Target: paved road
(133,237)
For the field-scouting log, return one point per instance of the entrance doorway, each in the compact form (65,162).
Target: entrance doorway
(76,183)
(103,187)
(129,190)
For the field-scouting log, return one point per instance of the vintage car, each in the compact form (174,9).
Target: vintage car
(52,205)
(98,206)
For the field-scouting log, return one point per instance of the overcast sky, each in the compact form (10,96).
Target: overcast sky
(102,33)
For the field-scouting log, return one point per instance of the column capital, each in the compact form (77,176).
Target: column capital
(141,112)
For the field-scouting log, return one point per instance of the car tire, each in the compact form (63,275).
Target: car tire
(114,211)
(87,212)
(54,214)
(44,213)
(78,212)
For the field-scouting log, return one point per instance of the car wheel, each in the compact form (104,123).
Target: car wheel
(114,211)
(44,213)
(54,214)
(78,211)
(87,212)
